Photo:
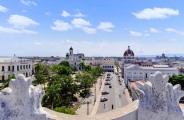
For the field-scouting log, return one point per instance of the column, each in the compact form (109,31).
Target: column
(15,68)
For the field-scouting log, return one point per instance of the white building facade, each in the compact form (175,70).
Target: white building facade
(14,65)
(135,73)
(106,63)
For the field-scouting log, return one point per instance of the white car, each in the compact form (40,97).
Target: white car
(103,99)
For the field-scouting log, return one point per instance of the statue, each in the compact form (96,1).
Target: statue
(159,100)
(22,101)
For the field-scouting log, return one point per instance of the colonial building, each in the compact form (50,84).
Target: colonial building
(128,58)
(14,65)
(106,63)
(134,72)
(73,59)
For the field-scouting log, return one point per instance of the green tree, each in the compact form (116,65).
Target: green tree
(38,67)
(177,79)
(52,95)
(87,68)
(6,82)
(64,70)
(86,82)
(99,70)
(82,64)
(117,66)
(65,63)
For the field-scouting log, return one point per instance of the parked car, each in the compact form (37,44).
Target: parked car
(108,78)
(105,92)
(103,99)
(110,86)
(108,74)
(106,83)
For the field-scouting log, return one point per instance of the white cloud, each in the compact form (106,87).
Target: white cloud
(153,30)
(105,26)
(86,42)
(15,31)
(48,13)
(38,43)
(65,14)
(102,45)
(71,42)
(24,11)
(21,21)
(173,40)
(28,31)
(79,15)
(80,23)
(28,3)
(147,34)
(156,13)
(175,31)
(61,26)
(89,30)
(125,29)
(3,9)
(135,33)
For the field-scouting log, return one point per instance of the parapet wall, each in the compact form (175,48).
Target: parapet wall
(159,100)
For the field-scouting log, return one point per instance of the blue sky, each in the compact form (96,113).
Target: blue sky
(92,27)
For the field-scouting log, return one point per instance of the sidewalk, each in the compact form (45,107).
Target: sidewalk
(83,108)
(129,99)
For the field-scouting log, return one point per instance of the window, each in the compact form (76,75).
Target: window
(17,68)
(23,66)
(2,68)
(12,68)
(26,66)
(8,68)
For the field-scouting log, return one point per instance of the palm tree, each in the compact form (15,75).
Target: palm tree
(53,94)
(38,67)
(82,65)
(87,68)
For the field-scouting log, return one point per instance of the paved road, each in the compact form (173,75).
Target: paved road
(116,98)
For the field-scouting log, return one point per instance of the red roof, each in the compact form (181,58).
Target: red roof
(128,51)
(133,84)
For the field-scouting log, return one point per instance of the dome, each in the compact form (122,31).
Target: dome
(128,52)
(71,48)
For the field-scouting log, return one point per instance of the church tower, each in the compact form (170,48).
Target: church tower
(71,53)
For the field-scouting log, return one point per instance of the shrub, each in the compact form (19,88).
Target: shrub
(65,110)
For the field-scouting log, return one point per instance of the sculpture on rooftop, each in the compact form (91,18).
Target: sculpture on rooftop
(159,100)
(21,101)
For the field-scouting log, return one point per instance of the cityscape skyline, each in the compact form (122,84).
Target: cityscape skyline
(50,28)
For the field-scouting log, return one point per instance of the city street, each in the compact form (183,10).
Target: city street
(116,97)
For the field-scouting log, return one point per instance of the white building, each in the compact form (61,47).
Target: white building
(14,65)
(73,59)
(106,63)
(135,73)
(128,58)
